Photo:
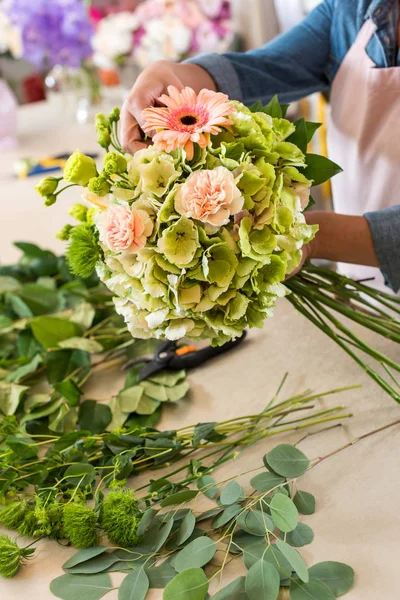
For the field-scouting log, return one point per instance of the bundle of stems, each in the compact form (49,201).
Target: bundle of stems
(324,296)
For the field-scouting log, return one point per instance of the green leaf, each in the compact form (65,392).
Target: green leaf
(134,586)
(40,299)
(80,343)
(22,446)
(196,554)
(49,331)
(178,392)
(255,522)
(242,540)
(33,251)
(234,591)
(265,482)
(70,391)
(300,136)
(25,370)
(27,345)
(20,308)
(301,536)
(168,378)
(320,169)
(202,432)
(179,498)
(84,587)
(209,514)
(232,493)
(287,461)
(8,284)
(304,502)
(157,536)
(337,576)
(10,396)
(186,528)
(129,398)
(62,363)
(271,554)
(146,520)
(207,486)
(312,590)
(154,391)
(98,564)
(262,581)
(273,108)
(191,583)
(227,515)
(295,559)
(284,513)
(83,555)
(83,315)
(80,474)
(94,416)
(147,406)
(160,576)
(311,129)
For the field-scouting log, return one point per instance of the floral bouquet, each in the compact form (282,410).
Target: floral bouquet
(163,30)
(52,32)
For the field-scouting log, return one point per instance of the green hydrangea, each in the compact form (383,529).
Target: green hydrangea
(179,242)
(80,169)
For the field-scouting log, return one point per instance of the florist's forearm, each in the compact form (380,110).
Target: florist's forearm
(343,238)
(293,65)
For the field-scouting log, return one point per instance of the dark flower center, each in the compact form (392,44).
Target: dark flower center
(188,120)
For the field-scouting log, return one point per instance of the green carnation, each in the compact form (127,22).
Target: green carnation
(78,212)
(12,514)
(80,525)
(99,186)
(179,242)
(11,556)
(79,169)
(83,252)
(47,186)
(120,518)
(115,164)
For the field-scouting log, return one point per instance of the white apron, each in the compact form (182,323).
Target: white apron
(364,139)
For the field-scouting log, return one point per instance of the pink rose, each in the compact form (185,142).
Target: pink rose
(123,229)
(209,196)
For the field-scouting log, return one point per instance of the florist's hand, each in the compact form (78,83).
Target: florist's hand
(150,85)
(308,252)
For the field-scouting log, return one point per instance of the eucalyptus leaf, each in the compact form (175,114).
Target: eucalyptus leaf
(255,522)
(80,474)
(84,587)
(209,514)
(265,482)
(157,536)
(262,581)
(271,554)
(186,528)
(80,343)
(191,583)
(196,554)
(305,502)
(179,498)
(83,555)
(284,513)
(146,520)
(242,540)
(301,536)
(337,576)
(287,461)
(295,559)
(227,515)
(206,484)
(232,493)
(98,564)
(234,591)
(160,576)
(134,586)
(312,590)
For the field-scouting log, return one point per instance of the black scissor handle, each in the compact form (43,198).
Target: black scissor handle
(198,357)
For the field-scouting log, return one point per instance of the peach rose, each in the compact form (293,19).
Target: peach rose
(209,196)
(124,229)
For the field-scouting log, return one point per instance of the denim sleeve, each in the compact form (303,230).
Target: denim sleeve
(293,65)
(385,229)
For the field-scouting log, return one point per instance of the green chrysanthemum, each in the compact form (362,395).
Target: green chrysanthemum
(11,556)
(80,524)
(120,518)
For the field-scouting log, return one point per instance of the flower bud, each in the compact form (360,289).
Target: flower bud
(80,169)
(103,137)
(115,164)
(78,211)
(101,121)
(50,200)
(99,186)
(47,186)
(65,233)
(114,115)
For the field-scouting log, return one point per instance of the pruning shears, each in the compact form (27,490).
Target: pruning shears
(171,355)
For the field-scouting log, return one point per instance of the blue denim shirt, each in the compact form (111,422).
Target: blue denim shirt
(305,60)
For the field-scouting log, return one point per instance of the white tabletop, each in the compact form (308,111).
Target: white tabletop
(357,519)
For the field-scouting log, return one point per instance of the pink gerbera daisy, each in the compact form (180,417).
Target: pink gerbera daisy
(187,118)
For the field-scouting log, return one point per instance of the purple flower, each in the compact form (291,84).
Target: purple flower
(53,31)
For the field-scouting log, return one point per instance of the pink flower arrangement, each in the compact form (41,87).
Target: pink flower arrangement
(209,196)
(124,229)
(187,119)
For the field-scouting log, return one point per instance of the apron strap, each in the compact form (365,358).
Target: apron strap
(366,33)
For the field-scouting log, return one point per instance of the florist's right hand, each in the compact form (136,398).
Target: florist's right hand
(149,86)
